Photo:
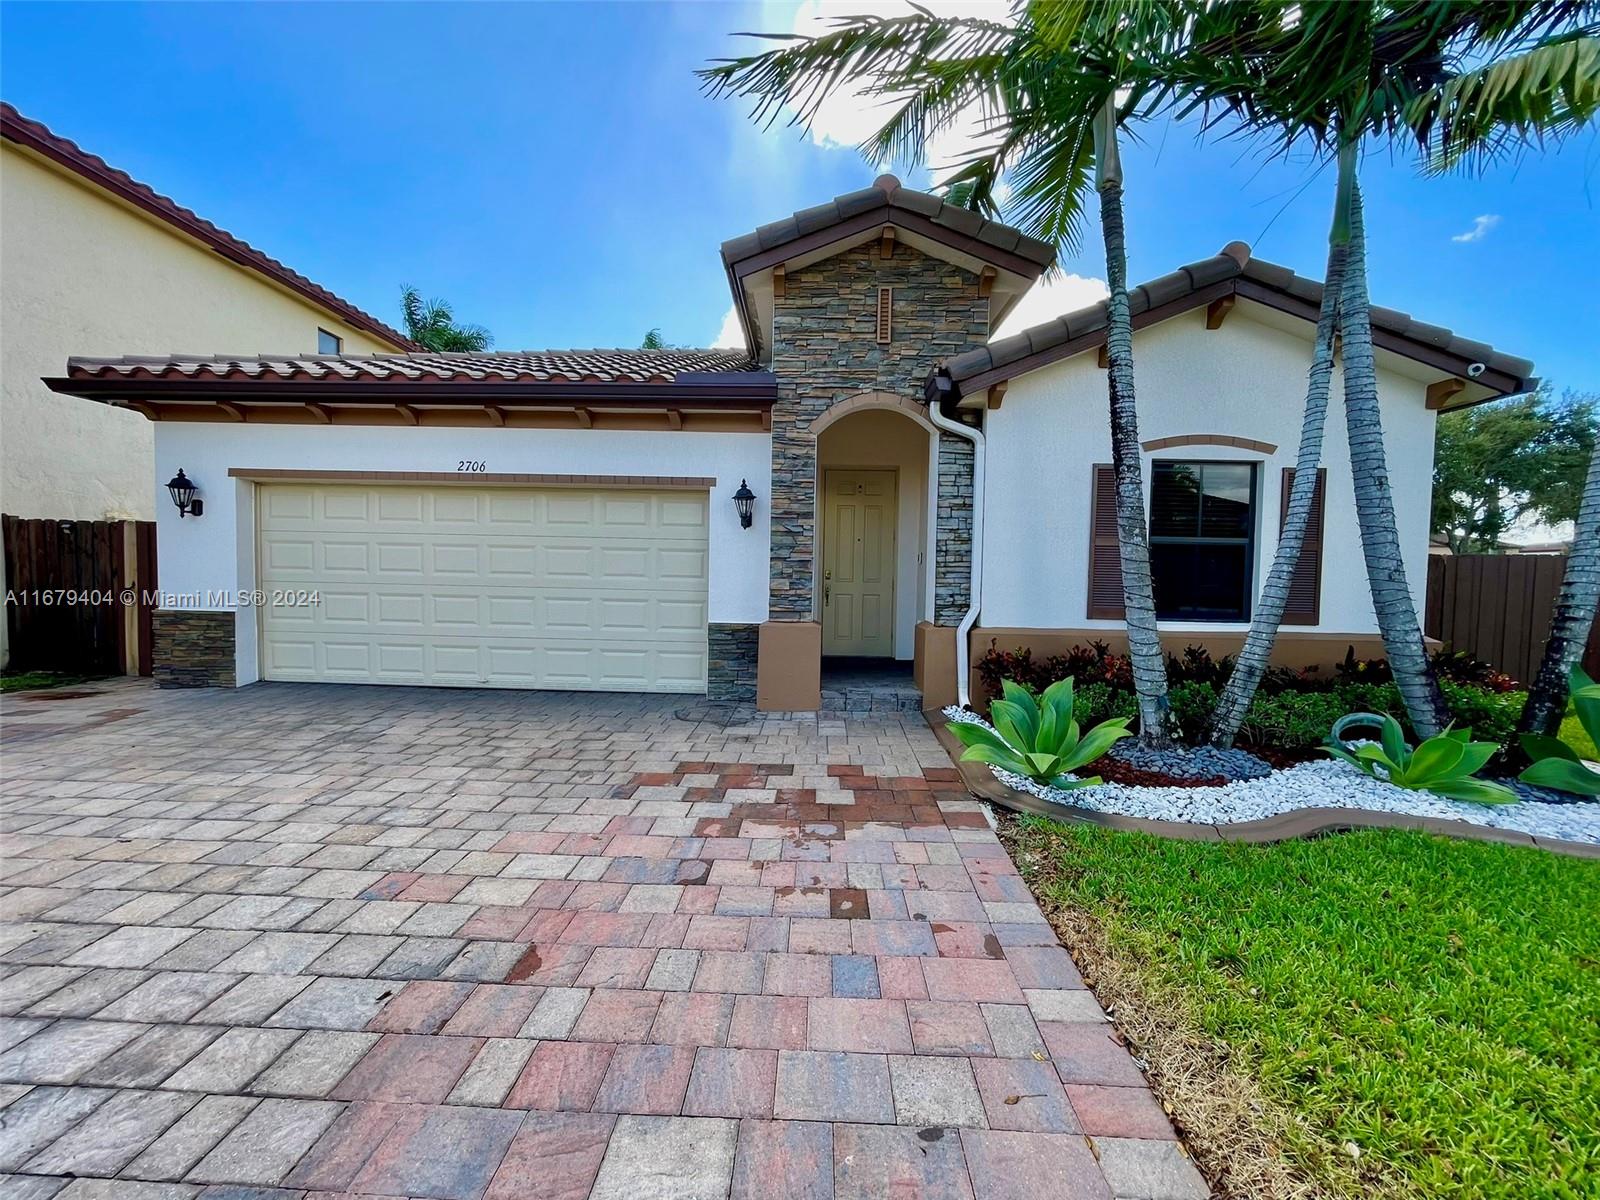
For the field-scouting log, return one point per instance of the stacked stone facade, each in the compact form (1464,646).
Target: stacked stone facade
(193,649)
(824,350)
(731,669)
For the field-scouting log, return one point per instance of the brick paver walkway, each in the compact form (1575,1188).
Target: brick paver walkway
(334,942)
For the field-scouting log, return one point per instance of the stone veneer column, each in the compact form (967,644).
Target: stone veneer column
(825,351)
(731,669)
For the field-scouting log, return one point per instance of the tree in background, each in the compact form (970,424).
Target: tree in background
(1498,463)
(432,324)
(654,341)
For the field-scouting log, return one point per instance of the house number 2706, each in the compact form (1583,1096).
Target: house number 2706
(473,465)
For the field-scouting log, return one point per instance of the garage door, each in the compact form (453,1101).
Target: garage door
(486,587)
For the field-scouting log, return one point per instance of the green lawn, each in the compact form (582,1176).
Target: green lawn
(1573,734)
(28,681)
(1434,1002)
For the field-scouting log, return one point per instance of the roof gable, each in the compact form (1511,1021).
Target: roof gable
(1234,273)
(95,171)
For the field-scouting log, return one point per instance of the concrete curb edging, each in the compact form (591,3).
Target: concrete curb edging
(1301,822)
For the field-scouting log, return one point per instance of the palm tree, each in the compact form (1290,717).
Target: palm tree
(1335,74)
(1574,614)
(431,323)
(1054,88)
(653,341)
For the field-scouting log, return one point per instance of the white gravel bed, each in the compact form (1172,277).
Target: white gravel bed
(1330,784)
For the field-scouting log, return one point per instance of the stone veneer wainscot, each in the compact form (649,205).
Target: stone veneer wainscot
(193,649)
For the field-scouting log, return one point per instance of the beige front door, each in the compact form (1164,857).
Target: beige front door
(858,562)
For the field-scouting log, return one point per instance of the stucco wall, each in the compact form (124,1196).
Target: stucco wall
(217,551)
(86,275)
(1246,379)
(886,439)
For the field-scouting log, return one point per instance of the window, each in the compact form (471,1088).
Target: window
(1202,539)
(329,343)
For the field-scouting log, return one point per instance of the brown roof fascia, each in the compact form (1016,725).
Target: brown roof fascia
(35,136)
(870,221)
(1247,289)
(473,392)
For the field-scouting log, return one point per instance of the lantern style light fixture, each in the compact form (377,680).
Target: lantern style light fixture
(183,489)
(745,501)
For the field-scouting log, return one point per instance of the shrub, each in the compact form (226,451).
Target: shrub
(1491,714)
(1454,666)
(1193,702)
(1292,720)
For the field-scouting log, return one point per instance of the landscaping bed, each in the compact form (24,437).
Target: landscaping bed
(1280,769)
(1383,1014)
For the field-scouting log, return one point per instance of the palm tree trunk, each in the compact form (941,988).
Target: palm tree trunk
(1574,615)
(1380,537)
(1256,652)
(1138,593)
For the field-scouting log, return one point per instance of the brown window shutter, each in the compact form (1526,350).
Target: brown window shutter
(1305,588)
(1105,552)
(885,305)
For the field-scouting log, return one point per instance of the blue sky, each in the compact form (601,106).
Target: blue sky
(553,171)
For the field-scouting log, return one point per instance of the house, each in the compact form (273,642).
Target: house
(874,478)
(96,262)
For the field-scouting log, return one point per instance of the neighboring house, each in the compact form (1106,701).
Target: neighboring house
(95,262)
(568,519)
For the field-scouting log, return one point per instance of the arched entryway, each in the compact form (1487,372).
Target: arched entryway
(876,468)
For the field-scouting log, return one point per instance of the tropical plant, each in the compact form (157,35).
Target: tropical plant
(1556,764)
(431,324)
(1038,739)
(1464,82)
(1054,86)
(1574,614)
(653,340)
(1443,764)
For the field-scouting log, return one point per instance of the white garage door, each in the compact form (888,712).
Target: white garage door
(486,587)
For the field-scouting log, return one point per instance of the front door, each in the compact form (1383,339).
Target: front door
(858,527)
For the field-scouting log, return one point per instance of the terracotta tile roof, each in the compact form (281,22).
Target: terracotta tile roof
(886,193)
(14,127)
(516,366)
(1233,272)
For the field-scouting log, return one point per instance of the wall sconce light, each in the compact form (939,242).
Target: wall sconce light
(745,501)
(183,489)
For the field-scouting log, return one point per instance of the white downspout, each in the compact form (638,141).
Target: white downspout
(964,630)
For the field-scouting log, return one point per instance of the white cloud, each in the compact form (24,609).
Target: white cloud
(1050,298)
(850,114)
(731,335)
(1481,226)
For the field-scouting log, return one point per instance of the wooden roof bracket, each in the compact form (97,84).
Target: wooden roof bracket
(1103,358)
(886,242)
(1217,311)
(497,416)
(674,419)
(585,417)
(233,410)
(320,413)
(997,393)
(777,281)
(408,414)
(1442,392)
(986,278)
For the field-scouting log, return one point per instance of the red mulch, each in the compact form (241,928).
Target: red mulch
(1115,771)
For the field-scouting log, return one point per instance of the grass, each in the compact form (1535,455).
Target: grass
(1432,1004)
(27,681)
(1574,735)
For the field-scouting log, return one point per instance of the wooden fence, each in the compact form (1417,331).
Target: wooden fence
(69,585)
(1497,607)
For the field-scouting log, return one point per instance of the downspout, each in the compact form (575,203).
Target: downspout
(964,630)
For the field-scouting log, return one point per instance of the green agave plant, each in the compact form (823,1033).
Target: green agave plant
(1038,738)
(1556,764)
(1444,765)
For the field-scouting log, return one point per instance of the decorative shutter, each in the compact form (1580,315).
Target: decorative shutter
(885,304)
(1305,588)
(1105,553)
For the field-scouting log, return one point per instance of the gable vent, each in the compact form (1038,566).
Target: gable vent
(885,306)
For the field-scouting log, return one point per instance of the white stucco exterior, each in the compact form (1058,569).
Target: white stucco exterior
(86,274)
(1246,379)
(216,552)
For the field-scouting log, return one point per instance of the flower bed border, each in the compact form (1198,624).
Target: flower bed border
(1300,822)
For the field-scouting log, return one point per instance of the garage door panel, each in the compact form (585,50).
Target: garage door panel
(556,588)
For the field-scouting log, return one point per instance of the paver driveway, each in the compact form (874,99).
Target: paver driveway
(323,941)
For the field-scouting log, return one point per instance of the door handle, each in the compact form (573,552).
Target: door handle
(827,594)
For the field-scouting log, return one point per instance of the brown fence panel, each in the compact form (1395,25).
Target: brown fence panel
(1497,607)
(67,584)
